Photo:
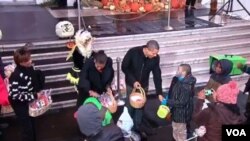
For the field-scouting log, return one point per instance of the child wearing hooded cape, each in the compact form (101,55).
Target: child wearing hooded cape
(220,75)
(94,119)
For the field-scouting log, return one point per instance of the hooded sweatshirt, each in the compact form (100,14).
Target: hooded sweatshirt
(213,117)
(182,95)
(223,78)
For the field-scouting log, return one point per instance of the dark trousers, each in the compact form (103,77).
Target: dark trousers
(82,96)
(189,130)
(192,2)
(27,123)
(136,114)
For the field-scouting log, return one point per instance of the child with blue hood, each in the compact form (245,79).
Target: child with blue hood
(181,96)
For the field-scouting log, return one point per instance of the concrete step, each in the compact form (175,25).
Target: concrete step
(174,60)
(164,46)
(202,77)
(165,35)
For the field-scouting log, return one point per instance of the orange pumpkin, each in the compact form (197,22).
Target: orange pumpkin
(70,44)
(126,8)
(148,7)
(182,3)
(116,2)
(105,2)
(175,4)
(135,6)
(141,2)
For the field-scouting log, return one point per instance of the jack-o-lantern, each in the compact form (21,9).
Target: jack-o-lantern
(65,29)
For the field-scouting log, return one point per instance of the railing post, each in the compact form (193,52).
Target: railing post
(79,13)
(118,60)
(168,27)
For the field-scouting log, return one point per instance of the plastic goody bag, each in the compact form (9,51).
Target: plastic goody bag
(125,122)
(41,105)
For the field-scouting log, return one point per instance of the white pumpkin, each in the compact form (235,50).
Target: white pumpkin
(166,6)
(65,29)
(112,7)
(1,35)
(142,9)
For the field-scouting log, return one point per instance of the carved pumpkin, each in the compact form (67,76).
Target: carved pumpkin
(148,7)
(135,6)
(65,29)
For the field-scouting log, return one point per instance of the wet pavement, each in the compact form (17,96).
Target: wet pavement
(59,125)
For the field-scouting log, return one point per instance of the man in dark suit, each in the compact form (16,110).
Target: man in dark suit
(137,65)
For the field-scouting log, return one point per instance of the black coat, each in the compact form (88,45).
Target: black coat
(25,82)
(182,94)
(137,67)
(79,60)
(91,79)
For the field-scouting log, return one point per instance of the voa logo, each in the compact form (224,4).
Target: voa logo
(236,132)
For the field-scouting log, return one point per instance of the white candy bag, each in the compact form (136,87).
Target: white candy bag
(125,122)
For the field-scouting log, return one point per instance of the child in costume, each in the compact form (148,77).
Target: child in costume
(80,53)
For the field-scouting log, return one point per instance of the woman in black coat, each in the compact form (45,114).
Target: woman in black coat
(96,77)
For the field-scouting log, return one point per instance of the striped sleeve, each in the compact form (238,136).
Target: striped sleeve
(22,89)
(13,89)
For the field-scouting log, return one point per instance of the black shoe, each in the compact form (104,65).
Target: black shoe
(193,8)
